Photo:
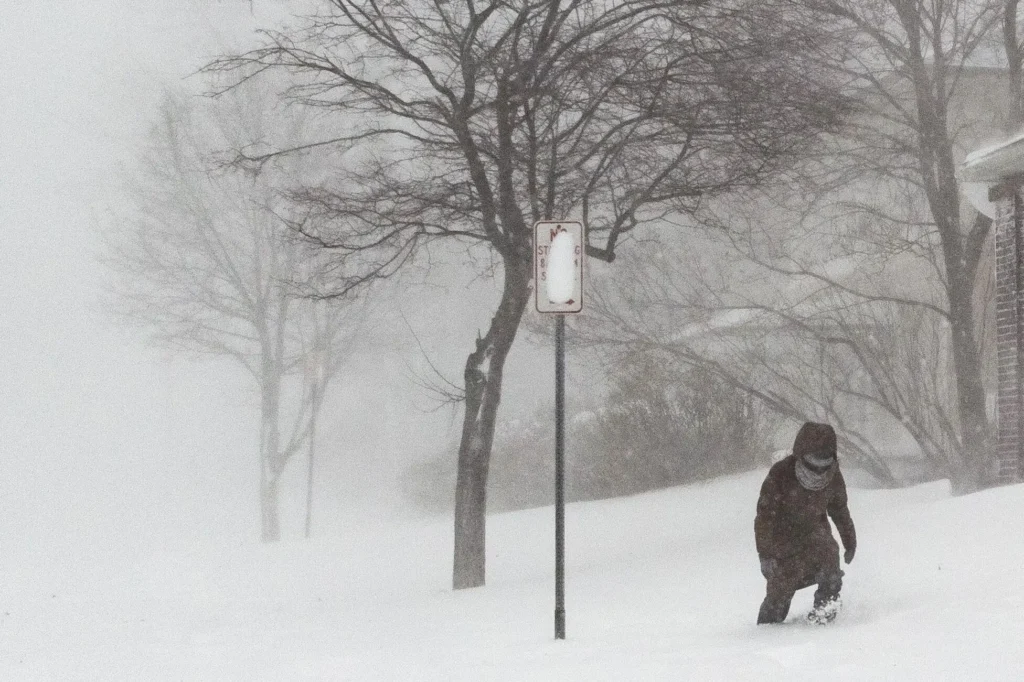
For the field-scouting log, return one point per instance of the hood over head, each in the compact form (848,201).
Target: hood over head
(815,452)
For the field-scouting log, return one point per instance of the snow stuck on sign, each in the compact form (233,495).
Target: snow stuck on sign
(561,268)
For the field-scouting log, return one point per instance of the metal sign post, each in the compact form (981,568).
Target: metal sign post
(558,286)
(560,477)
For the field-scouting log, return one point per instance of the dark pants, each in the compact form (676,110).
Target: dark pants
(817,565)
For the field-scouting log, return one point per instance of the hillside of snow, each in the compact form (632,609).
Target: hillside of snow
(662,586)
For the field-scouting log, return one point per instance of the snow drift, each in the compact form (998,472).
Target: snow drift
(660,586)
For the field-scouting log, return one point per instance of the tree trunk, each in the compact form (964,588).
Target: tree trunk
(270,445)
(483,376)
(1015,64)
(967,471)
(961,264)
(314,410)
(270,526)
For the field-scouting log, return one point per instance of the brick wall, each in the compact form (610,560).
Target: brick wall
(1009,335)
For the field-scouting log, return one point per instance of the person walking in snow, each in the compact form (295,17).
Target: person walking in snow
(794,539)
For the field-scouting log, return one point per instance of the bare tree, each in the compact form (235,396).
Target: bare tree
(203,262)
(911,61)
(889,256)
(1014,48)
(472,120)
(879,370)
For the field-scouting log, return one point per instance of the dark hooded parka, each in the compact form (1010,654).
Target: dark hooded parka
(794,539)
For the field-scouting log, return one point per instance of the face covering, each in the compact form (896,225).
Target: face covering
(814,470)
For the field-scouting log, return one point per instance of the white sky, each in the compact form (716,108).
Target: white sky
(97,436)
(85,414)
(100,439)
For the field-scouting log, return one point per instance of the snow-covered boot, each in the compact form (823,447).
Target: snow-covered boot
(824,614)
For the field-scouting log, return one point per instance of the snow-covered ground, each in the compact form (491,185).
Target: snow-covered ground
(662,586)
(105,456)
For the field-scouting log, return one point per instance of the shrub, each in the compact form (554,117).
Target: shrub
(660,425)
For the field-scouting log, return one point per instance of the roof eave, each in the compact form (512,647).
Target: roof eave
(996,164)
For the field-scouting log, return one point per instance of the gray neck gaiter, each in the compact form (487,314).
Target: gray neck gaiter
(813,480)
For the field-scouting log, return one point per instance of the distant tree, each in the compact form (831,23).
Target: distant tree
(202,261)
(473,120)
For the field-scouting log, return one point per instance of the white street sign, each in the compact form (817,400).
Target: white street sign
(558,266)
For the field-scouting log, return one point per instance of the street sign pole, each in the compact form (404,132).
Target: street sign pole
(559,253)
(560,477)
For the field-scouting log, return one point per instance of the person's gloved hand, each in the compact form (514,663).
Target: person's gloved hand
(768,567)
(848,554)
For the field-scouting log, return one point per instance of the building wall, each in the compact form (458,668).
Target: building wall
(1009,316)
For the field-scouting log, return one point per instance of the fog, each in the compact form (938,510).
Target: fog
(130,526)
(112,446)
